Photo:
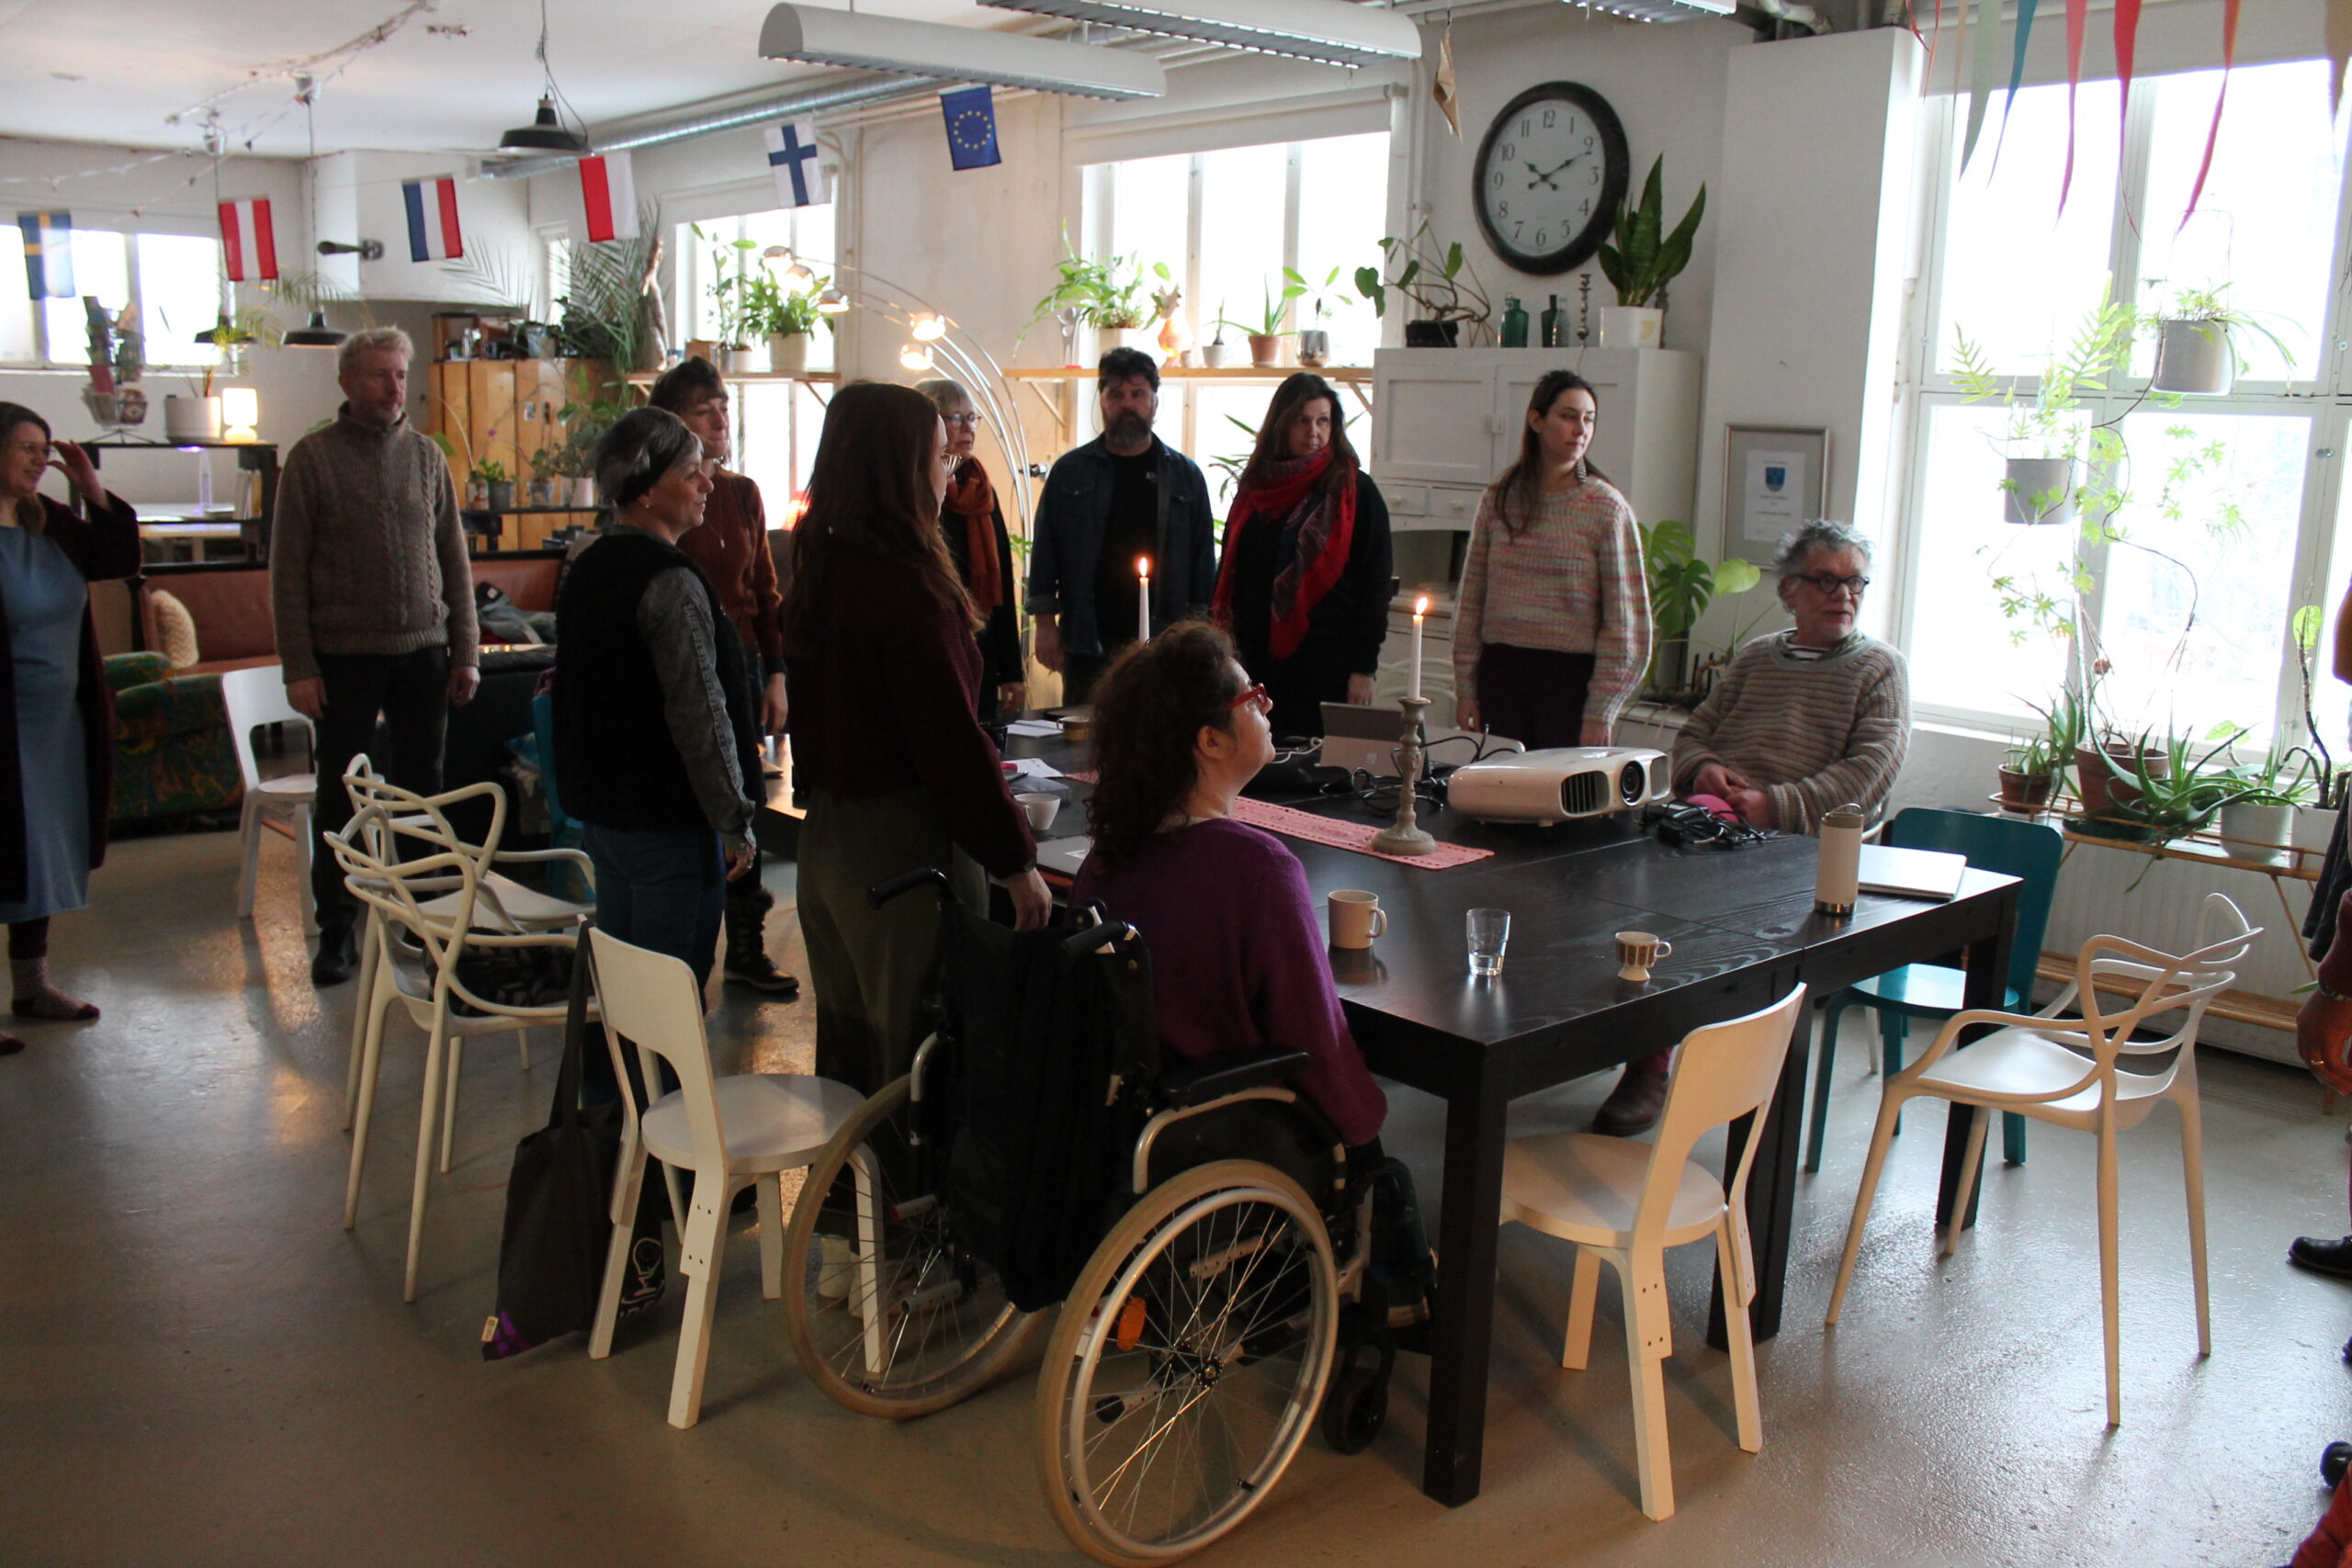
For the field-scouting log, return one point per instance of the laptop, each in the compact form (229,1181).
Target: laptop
(1063,855)
(1366,737)
(1911,873)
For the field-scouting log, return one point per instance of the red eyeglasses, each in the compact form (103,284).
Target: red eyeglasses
(1256,694)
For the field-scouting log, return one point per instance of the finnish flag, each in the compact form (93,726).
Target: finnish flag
(792,158)
(433,234)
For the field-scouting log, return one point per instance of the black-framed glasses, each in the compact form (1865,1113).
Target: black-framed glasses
(1829,585)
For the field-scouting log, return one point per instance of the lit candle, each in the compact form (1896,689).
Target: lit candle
(1420,608)
(1143,598)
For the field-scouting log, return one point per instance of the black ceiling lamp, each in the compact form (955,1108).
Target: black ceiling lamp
(546,133)
(317,334)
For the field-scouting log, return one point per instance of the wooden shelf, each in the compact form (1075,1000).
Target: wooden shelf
(815,377)
(2209,847)
(1347,373)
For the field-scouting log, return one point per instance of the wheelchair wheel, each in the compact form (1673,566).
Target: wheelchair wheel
(893,1318)
(1188,1364)
(1356,1406)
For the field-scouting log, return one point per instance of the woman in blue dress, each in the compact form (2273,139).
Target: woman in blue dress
(56,715)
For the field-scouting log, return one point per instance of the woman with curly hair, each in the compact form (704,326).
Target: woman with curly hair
(1237,959)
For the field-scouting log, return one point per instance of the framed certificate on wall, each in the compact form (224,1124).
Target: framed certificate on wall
(1774,479)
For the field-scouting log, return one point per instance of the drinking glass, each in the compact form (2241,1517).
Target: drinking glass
(1488,931)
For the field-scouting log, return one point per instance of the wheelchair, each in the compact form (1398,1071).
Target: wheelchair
(1195,1225)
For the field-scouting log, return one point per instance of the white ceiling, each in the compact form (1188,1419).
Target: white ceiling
(114,70)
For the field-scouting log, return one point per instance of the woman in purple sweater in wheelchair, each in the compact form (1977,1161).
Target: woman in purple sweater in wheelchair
(1237,959)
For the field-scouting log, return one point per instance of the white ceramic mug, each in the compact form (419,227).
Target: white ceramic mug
(1356,917)
(1636,951)
(1042,809)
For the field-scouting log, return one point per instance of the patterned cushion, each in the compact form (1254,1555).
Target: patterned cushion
(175,628)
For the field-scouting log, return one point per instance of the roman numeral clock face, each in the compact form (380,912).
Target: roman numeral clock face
(1551,174)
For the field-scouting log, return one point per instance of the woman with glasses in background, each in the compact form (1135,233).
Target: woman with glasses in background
(973,525)
(1552,622)
(1800,723)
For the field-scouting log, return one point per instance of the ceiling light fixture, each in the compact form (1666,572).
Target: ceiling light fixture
(914,357)
(1659,10)
(929,328)
(1332,32)
(317,334)
(546,133)
(816,36)
(832,302)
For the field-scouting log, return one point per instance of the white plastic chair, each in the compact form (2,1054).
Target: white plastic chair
(730,1132)
(1624,1203)
(505,904)
(2061,1068)
(445,872)
(257,696)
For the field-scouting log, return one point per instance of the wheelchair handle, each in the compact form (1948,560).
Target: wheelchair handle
(890,887)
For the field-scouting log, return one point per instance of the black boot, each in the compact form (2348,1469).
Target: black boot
(338,955)
(747,952)
(2322,1256)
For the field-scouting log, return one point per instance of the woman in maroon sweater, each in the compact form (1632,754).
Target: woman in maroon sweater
(886,743)
(1237,960)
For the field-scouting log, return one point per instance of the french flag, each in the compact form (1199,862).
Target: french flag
(608,191)
(248,247)
(432,220)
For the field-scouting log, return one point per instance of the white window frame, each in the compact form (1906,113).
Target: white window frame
(2325,398)
(125,230)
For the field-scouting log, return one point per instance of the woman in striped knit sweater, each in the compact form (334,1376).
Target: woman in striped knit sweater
(1552,625)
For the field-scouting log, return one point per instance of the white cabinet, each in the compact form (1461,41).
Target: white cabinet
(1450,418)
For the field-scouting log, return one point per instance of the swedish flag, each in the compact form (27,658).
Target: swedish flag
(48,253)
(971,128)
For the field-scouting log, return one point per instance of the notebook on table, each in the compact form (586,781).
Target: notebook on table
(1911,873)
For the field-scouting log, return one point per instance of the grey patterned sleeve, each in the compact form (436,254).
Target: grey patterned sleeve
(674,619)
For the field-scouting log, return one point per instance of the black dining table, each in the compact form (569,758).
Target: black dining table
(1744,933)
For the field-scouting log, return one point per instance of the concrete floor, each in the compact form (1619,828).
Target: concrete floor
(197,1365)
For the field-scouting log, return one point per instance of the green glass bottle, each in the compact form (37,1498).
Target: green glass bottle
(1514,323)
(1552,324)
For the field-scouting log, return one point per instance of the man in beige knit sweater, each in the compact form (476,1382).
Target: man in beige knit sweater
(373,599)
(1802,722)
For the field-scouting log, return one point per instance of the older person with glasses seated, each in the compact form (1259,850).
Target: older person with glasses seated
(1802,722)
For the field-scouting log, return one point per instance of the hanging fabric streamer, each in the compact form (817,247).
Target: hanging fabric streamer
(2221,97)
(1980,73)
(2017,73)
(2339,50)
(2078,16)
(2127,42)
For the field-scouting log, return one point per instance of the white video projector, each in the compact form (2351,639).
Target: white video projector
(1564,783)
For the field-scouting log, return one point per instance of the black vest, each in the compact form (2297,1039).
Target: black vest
(617,764)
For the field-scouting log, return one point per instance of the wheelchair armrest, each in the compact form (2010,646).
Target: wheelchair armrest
(1197,1083)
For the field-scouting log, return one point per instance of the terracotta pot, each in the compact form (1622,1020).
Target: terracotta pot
(2100,788)
(2025,792)
(1265,351)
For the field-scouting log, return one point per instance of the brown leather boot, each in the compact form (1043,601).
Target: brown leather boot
(1633,1105)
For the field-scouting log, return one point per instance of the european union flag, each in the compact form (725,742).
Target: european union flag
(971,128)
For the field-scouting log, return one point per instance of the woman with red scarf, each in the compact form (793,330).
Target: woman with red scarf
(982,550)
(1305,581)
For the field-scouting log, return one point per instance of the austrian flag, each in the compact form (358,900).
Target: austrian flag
(248,248)
(608,193)
(432,207)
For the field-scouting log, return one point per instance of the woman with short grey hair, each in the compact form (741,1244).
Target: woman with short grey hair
(1800,722)
(973,525)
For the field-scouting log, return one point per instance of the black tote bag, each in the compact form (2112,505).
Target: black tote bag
(559,1205)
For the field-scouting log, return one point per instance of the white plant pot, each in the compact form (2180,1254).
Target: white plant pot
(2260,826)
(192,419)
(745,361)
(583,494)
(1213,355)
(2194,357)
(1633,326)
(788,353)
(2313,828)
(2037,490)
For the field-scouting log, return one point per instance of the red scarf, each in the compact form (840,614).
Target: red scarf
(1317,535)
(970,497)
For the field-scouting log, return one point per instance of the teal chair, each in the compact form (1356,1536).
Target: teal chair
(2027,851)
(563,833)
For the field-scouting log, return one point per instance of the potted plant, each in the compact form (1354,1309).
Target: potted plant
(786,317)
(584,424)
(2172,792)
(1642,263)
(1437,280)
(2198,343)
(2048,440)
(547,475)
(2029,774)
(498,485)
(2263,817)
(1315,341)
(1213,351)
(1681,587)
(1106,294)
(1266,332)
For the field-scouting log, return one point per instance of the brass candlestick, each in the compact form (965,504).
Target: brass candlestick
(1405,836)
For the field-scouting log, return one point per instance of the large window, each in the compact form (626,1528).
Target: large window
(1227,225)
(2229,517)
(173,279)
(776,422)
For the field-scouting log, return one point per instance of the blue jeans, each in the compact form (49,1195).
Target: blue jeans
(663,890)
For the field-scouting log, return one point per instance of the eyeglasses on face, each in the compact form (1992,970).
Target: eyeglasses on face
(962,421)
(1829,585)
(1252,696)
(40,449)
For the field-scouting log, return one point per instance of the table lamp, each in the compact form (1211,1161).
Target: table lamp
(240,414)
